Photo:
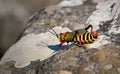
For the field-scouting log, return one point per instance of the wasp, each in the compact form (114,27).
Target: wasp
(80,36)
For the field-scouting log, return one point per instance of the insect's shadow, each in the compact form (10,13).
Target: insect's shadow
(56,47)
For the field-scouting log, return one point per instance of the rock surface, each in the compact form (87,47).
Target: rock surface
(13,17)
(101,57)
(73,61)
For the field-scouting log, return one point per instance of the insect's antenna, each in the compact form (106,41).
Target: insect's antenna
(54,33)
(45,43)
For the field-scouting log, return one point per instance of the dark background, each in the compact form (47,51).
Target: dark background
(14,15)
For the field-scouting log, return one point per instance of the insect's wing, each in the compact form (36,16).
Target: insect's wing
(81,31)
(71,35)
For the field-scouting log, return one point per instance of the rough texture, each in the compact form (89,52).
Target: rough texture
(73,61)
(104,59)
(33,47)
(13,17)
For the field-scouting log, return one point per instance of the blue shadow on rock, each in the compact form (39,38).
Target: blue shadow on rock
(56,47)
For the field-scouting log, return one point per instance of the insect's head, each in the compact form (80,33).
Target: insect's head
(61,36)
(95,34)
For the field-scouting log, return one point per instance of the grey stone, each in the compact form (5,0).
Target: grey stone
(107,67)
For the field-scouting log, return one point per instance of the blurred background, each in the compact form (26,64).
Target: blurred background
(14,15)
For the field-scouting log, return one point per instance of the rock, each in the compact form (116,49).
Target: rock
(31,72)
(93,19)
(90,72)
(89,68)
(65,72)
(51,9)
(38,52)
(107,67)
(70,61)
(99,55)
(37,36)
(39,49)
(118,69)
(111,71)
(65,3)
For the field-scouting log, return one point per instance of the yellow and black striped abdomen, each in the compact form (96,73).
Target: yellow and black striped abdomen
(86,38)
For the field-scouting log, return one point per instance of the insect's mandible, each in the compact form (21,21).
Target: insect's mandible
(81,36)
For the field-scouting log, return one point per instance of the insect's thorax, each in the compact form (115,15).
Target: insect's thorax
(66,37)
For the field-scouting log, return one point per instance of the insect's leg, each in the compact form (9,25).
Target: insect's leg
(90,26)
(61,45)
(68,44)
(91,29)
(80,42)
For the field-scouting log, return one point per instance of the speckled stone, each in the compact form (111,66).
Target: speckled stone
(118,69)
(107,67)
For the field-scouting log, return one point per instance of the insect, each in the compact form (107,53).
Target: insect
(81,36)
